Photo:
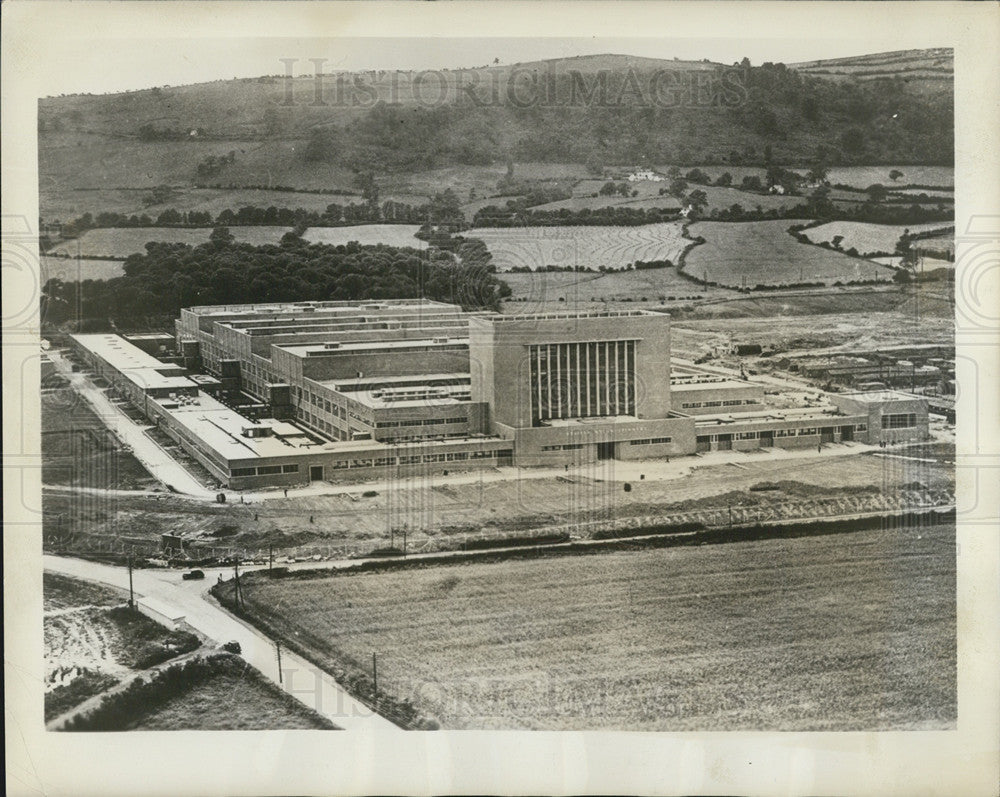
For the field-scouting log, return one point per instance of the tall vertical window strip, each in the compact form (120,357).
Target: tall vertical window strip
(586,379)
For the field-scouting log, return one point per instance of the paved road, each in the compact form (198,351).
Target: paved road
(155,459)
(299,678)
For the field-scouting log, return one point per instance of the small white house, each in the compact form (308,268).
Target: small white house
(161,613)
(645,174)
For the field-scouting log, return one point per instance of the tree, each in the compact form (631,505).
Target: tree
(678,186)
(752,183)
(818,172)
(895,174)
(322,145)
(852,140)
(697,200)
(819,202)
(876,193)
(221,237)
(724,179)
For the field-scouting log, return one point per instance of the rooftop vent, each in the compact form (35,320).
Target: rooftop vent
(333,345)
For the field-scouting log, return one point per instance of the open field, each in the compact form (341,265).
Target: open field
(235,698)
(593,246)
(858,320)
(71,203)
(866,238)
(92,641)
(69,269)
(856,176)
(367,235)
(125,241)
(842,632)
(78,450)
(764,253)
(219,691)
(578,289)
(82,160)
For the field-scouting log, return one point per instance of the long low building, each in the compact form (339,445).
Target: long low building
(353,390)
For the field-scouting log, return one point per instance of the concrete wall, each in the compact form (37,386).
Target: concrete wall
(499,354)
(716,394)
(386,362)
(531,442)
(875,410)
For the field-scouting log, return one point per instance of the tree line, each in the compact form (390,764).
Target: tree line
(169,276)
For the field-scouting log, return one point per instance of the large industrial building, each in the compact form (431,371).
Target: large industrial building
(284,394)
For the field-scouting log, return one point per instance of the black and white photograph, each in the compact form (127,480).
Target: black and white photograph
(430,378)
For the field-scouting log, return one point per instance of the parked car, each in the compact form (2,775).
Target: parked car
(232,647)
(193,575)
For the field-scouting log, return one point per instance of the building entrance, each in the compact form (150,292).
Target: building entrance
(605,451)
(316,473)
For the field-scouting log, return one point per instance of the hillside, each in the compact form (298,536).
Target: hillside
(921,70)
(595,110)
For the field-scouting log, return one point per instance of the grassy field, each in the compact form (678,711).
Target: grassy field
(236,698)
(69,203)
(866,238)
(544,290)
(843,632)
(78,450)
(125,241)
(367,235)
(855,176)
(92,641)
(79,160)
(69,269)
(592,246)
(764,253)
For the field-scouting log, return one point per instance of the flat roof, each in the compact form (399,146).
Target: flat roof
(379,381)
(314,349)
(794,414)
(132,362)
(710,384)
(879,396)
(310,306)
(499,319)
(221,429)
(590,421)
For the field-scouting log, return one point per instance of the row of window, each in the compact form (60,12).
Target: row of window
(901,420)
(264,470)
(417,459)
(692,405)
(565,447)
(650,441)
(419,422)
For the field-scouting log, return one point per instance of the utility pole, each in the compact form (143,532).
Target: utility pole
(281,678)
(131,592)
(236,577)
(270,557)
(404,540)
(375,677)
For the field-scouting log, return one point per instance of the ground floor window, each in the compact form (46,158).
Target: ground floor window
(902,420)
